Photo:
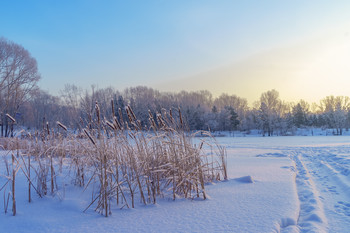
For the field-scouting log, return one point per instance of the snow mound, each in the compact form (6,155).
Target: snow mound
(245,179)
(287,225)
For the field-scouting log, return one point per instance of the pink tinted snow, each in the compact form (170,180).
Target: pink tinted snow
(268,204)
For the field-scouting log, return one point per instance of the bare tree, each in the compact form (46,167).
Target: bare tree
(240,106)
(18,79)
(335,110)
(71,96)
(44,108)
(268,111)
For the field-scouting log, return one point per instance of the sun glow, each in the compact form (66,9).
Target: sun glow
(309,70)
(327,73)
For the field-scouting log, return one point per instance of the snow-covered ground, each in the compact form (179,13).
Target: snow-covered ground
(300,184)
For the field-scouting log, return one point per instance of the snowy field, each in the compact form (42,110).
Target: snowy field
(300,184)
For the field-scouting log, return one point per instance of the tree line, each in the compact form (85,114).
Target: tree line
(201,111)
(33,108)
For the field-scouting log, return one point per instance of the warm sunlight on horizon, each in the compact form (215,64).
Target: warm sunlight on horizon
(309,70)
(299,48)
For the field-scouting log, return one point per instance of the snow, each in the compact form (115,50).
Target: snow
(276,184)
(245,179)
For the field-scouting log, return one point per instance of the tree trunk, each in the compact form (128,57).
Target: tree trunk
(6,128)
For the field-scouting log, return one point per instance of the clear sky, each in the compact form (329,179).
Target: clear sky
(300,48)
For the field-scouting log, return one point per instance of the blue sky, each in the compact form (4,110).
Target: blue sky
(164,43)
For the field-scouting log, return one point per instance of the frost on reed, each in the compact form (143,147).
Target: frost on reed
(123,162)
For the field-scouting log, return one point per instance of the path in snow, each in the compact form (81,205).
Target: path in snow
(323,188)
(323,177)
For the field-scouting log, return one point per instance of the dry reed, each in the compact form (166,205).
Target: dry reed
(122,161)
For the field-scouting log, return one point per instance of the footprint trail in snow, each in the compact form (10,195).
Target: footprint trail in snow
(323,183)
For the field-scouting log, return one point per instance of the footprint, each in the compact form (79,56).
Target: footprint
(343,208)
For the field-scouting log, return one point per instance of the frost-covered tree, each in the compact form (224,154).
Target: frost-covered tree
(44,108)
(268,111)
(234,122)
(18,80)
(71,96)
(300,114)
(240,106)
(335,111)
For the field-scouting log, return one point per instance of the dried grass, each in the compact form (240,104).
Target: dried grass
(123,161)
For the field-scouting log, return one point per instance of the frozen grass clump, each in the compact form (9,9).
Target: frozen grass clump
(123,162)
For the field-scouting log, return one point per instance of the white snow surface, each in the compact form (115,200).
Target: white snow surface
(276,184)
